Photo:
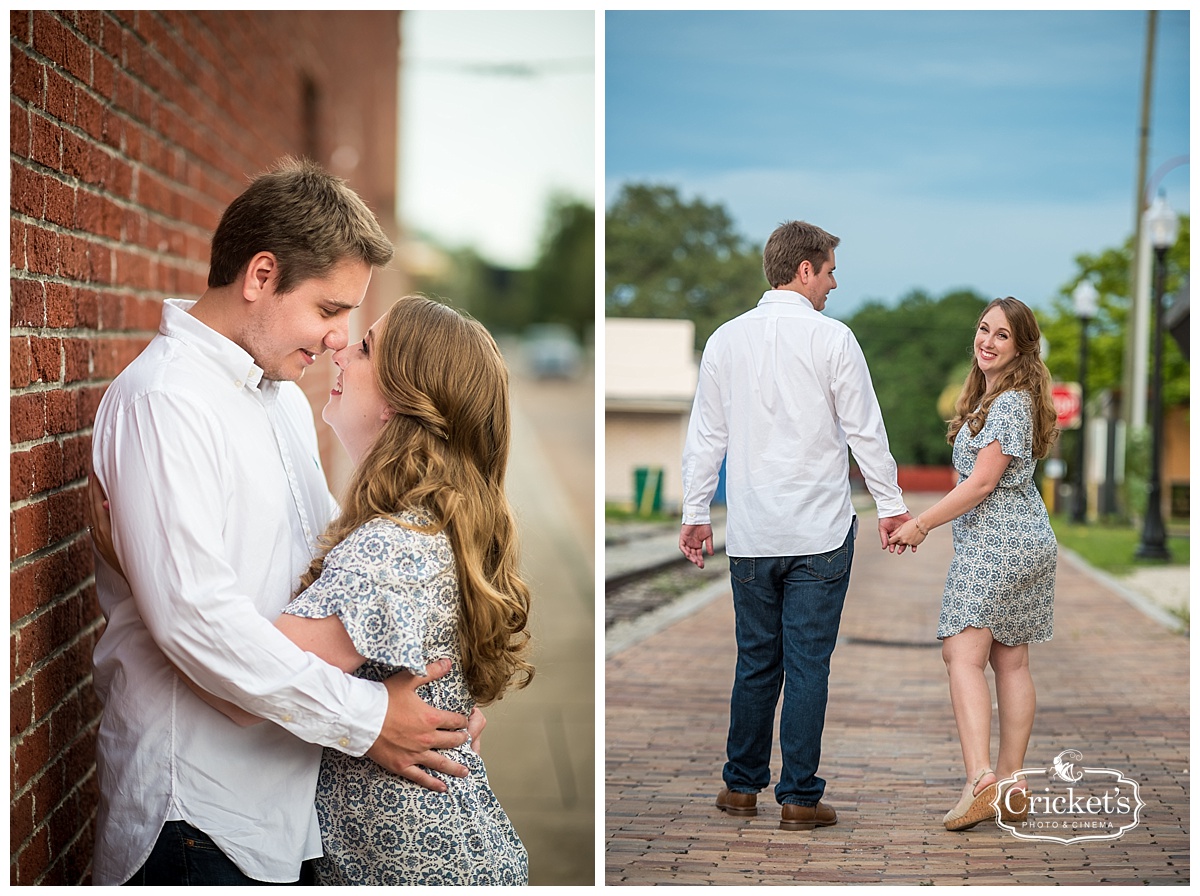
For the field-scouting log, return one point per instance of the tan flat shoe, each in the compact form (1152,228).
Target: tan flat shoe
(973,807)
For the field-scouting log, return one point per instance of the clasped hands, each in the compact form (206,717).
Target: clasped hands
(901,532)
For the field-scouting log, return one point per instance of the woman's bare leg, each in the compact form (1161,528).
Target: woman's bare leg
(966,655)
(1017,703)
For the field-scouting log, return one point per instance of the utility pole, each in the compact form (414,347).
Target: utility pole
(1133,404)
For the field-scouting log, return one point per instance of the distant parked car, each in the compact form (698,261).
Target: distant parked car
(552,350)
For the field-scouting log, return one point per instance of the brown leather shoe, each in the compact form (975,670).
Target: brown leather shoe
(805,818)
(742,804)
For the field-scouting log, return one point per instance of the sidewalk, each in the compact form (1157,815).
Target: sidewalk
(1113,684)
(540,742)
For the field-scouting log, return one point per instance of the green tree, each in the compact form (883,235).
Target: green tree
(559,288)
(562,284)
(915,350)
(668,258)
(1109,272)
(496,297)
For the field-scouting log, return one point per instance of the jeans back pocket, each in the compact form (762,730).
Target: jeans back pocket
(831,565)
(742,569)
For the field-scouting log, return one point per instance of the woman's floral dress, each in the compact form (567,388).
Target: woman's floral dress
(1005,553)
(396,591)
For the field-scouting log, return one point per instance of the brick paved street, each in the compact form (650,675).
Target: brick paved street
(1113,684)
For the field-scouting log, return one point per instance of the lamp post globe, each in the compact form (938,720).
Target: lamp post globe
(1162,224)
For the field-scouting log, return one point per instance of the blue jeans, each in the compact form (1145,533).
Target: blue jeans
(186,856)
(788,610)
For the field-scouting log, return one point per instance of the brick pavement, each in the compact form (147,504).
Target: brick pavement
(1112,684)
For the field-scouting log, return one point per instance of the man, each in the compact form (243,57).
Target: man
(207,449)
(783,392)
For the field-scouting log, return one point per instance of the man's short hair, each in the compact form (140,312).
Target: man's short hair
(791,243)
(307,218)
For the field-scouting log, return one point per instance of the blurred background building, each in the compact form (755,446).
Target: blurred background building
(649,383)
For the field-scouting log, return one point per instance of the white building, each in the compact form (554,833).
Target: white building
(649,383)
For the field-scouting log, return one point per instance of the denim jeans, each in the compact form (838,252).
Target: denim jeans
(788,610)
(186,856)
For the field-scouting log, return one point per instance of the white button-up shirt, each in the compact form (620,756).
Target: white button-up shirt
(782,392)
(217,497)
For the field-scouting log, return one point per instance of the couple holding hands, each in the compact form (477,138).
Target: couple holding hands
(783,393)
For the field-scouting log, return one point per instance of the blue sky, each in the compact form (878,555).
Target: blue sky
(947,149)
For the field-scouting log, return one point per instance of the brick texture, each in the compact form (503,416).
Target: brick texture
(1113,683)
(129,134)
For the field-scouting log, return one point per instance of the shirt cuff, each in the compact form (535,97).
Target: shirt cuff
(363,717)
(696,517)
(890,508)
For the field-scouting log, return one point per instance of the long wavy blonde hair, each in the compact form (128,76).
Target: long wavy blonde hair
(443,453)
(1026,373)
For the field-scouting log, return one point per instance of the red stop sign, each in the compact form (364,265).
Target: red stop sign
(1068,404)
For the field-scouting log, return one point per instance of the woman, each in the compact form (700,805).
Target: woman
(421,564)
(999,593)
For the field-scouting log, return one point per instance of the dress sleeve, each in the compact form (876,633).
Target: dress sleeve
(381,582)
(1009,422)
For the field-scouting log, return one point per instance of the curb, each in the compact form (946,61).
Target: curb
(1138,601)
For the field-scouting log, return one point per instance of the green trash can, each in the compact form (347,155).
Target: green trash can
(647,490)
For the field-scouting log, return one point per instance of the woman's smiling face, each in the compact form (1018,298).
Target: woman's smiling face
(995,347)
(356,409)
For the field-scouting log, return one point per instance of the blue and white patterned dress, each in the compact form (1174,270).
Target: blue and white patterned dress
(1005,553)
(396,591)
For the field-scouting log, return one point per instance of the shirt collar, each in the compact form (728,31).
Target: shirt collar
(229,357)
(786,297)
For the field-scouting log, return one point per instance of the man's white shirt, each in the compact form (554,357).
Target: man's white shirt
(217,497)
(783,392)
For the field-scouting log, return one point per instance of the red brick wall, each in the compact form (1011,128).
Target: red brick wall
(130,132)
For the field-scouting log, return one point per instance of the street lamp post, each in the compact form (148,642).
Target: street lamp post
(1085,296)
(1163,227)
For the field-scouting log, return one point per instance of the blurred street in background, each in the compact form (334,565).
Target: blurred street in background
(539,744)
